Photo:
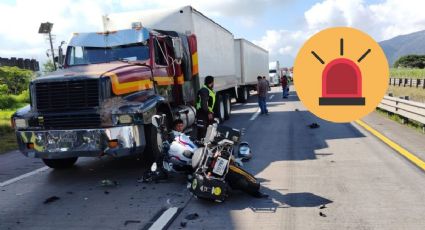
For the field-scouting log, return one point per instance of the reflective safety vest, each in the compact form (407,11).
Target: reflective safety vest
(212,98)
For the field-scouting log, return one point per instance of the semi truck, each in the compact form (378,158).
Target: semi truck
(112,82)
(251,61)
(274,73)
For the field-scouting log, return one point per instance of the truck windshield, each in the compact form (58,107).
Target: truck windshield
(272,71)
(79,55)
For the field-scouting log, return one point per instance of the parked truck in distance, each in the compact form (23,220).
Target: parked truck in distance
(251,62)
(112,83)
(274,73)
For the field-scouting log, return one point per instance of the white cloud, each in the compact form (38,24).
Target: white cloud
(382,21)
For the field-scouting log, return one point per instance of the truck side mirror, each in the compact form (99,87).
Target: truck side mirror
(156,120)
(178,48)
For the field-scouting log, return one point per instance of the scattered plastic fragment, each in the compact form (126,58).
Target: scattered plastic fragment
(108,183)
(192,216)
(322,214)
(314,125)
(51,199)
(131,222)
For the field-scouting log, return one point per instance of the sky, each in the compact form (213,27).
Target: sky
(280,26)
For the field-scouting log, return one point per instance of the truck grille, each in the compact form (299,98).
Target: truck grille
(72,121)
(66,95)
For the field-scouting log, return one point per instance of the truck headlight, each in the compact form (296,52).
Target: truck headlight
(125,119)
(21,123)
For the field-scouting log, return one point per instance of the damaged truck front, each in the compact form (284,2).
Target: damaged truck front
(102,101)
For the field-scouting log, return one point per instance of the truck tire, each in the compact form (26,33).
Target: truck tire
(227,106)
(153,145)
(243,94)
(219,108)
(60,163)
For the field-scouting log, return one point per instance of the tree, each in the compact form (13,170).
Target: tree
(16,79)
(48,67)
(411,61)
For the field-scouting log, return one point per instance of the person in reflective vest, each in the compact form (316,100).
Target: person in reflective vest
(205,102)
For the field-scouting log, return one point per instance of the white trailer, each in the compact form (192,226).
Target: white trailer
(251,61)
(215,45)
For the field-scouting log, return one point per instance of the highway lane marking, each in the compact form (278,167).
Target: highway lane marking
(255,115)
(165,219)
(411,157)
(18,178)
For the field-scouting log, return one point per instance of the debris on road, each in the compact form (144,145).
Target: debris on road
(192,216)
(106,192)
(108,183)
(322,214)
(297,110)
(51,199)
(131,222)
(314,125)
(86,198)
(69,193)
(183,224)
(323,206)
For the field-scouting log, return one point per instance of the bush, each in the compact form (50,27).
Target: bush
(3,89)
(411,61)
(16,79)
(23,98)
(7,102)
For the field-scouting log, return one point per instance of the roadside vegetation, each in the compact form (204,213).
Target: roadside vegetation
(407,73)
(399,119)
(415,94)
(14,94)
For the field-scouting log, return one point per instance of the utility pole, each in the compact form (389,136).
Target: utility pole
(46,28)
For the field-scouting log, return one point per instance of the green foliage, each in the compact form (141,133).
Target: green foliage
(407,73)
(411,61)
(3,89)
(48,67)
(16,79)
(7,101)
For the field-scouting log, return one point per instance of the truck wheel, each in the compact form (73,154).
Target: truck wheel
(219,110)
(227,106)
(153,144)
(60,163)
(243,94)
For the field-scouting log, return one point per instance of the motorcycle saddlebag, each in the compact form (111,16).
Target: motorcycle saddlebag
(208,188)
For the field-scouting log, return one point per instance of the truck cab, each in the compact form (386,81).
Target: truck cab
(102,101)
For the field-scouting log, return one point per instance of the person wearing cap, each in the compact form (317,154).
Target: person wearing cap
(205,102)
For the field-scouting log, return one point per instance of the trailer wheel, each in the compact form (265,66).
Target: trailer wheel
(219,108)
(60,163)
(227,106)
(243,94)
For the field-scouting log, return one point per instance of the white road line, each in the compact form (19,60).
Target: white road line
(255,115)
(271,96)
(164,219)
(18,178)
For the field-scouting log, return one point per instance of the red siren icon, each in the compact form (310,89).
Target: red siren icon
(341,80)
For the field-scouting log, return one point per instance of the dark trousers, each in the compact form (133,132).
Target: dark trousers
(202,123)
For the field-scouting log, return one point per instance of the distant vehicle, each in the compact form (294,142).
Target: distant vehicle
(274,73)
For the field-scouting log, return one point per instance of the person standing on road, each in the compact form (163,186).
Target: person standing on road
(284,83)
(205,107)
(262,89)
(268,83)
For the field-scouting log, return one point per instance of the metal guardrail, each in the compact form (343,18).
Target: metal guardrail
(408,82)
(409,109)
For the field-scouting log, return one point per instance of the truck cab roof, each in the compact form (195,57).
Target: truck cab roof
(110,38)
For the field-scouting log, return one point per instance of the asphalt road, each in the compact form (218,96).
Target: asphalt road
(335,177)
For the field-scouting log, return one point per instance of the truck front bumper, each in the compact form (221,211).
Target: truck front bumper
(56,144)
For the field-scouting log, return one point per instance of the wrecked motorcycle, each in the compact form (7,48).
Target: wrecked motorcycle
(216,169)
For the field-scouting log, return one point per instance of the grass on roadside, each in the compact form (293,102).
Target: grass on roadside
(415,94)
(7,134)
(412,124)
(407,73)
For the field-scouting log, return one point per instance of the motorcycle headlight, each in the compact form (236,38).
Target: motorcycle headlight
(21,123)
(125,119)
